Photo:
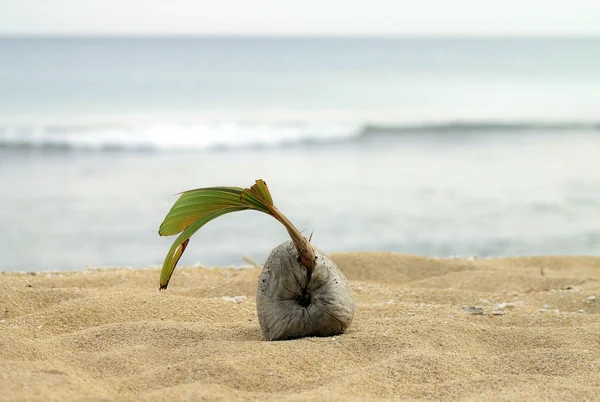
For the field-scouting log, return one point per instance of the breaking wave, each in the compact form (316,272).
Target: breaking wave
(239,136)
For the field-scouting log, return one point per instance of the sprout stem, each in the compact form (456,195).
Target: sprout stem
(305,250)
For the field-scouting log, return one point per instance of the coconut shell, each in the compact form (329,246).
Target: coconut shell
(289,305)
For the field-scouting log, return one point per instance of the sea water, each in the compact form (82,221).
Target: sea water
(440,147)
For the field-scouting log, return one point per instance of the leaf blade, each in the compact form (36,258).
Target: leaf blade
(194,203)
(261,189)
(195,208)
(174,253)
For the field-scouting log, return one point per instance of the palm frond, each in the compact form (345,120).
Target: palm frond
(195,208)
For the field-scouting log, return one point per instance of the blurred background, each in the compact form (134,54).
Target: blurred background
(438,128)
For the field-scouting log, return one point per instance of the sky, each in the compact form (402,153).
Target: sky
(305,17)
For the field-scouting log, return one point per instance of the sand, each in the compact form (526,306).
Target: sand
(504,329)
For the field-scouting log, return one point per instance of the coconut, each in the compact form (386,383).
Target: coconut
(301,292)
(291,303)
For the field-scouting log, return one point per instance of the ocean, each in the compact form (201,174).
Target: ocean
(444,147)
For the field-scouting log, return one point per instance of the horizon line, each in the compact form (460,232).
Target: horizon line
(16,35)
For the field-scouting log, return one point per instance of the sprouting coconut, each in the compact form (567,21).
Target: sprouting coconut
(301,292)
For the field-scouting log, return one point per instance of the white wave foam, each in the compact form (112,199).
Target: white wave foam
(175,137)
(209,136)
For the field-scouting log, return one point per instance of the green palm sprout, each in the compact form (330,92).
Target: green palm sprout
(195,208)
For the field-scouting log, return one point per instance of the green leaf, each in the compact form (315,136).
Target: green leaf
(195,208)
(182,240)
(261,189)
(192,204)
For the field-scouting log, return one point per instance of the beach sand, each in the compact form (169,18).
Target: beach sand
(502,329)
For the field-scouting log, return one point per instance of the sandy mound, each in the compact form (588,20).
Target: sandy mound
(506,329)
